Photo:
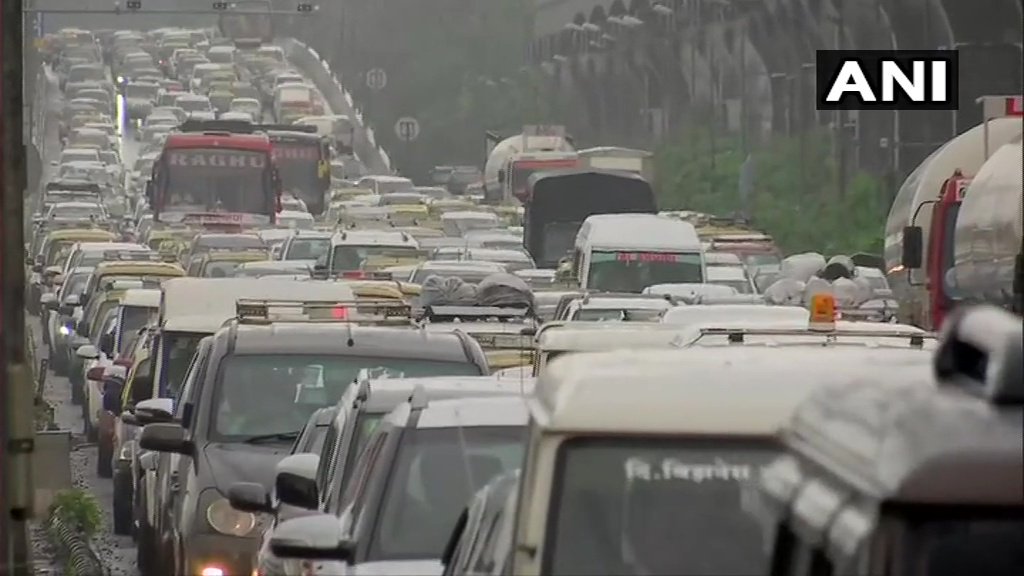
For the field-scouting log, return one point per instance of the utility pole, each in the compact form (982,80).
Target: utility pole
(16,429)
(840,128)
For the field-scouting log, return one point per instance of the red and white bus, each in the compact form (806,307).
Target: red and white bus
(216,170)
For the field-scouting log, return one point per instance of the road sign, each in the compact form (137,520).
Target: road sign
(407,128)
(376,79)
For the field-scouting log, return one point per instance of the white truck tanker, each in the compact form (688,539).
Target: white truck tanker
(954,230)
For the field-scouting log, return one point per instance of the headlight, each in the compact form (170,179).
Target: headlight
(226,520)
(64,331)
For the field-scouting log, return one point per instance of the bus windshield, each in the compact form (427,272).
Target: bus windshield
(299,163)
(217,180)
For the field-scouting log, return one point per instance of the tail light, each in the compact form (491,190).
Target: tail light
(354,274)
(339,313)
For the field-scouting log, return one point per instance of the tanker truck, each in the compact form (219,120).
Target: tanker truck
(934,225)
(512,160)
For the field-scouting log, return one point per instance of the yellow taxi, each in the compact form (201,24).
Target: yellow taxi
(408,214)
(439,207)
(169,242)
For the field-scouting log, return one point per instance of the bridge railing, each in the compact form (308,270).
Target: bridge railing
(329,83)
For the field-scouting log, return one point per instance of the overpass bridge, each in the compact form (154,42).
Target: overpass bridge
(638,69)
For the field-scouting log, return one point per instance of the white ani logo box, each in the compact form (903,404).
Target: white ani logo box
(887,80)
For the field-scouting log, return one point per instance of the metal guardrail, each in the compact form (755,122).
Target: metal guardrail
(318,70)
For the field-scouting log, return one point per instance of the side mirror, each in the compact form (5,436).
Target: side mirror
(164,437)
(96,372)
(107,344)
(154,410)
(316,537)
(295,483)
(249,497)
(129,419)
(54,163)
(87,352)
(913,247)
(48,301)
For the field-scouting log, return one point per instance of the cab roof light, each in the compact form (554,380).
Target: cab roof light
(369,311)
(981,351)
(823,313)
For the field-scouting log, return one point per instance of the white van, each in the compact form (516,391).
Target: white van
(629,252)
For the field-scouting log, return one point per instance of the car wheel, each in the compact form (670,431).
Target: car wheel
(122,511)
(87,428)
(76,391)
(144,550)
(104,455)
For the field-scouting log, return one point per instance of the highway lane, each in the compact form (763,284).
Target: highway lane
(116,552)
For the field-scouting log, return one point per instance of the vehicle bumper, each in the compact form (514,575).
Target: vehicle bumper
(232,555)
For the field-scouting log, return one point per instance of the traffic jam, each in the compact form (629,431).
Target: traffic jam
(292,365)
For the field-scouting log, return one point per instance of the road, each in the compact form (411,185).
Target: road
(116,552)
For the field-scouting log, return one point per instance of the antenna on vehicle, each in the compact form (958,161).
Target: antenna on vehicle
(464,450)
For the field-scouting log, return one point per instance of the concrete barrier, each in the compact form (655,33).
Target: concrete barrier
(318,70)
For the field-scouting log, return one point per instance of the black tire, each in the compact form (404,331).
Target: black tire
(57,364)
(122,505)
(144,551)
(104,457)
(76,393)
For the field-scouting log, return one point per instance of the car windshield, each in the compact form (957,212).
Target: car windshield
(977,542)
(634,271)
(654,506)
(231,180)
(295,222)
(134,318)
(179,347)
(193,104)
(59,252)
(436,473)
(75,284)
(273,394)
(307,248)
(220,269)
(351,257)
(147,91)
(459,226)
(76,211)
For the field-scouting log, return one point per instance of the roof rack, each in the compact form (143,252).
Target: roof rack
(738,335)
(287,128)
(130,256)
(503,340)
(450,313)
(362,311)
(981,351)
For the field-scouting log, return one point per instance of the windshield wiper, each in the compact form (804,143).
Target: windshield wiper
(275,437)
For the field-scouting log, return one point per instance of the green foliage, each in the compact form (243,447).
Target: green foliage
(79,509)
(795,197)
